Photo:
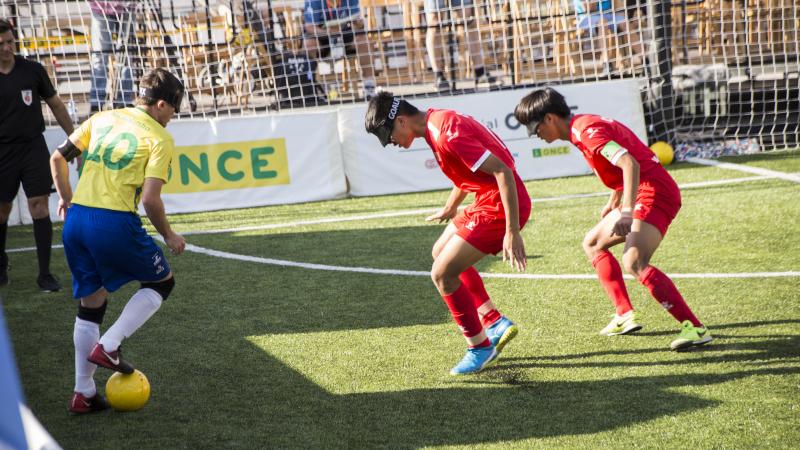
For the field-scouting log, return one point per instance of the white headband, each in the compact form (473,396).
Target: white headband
(393,110)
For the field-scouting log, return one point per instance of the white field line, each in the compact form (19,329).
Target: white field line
(286,263)
(748,169)
(29,249)
(414,212)
(419,273)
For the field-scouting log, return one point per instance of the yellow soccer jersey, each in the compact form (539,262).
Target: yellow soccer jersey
(120,148)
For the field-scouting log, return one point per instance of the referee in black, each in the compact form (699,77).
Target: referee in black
(24,157)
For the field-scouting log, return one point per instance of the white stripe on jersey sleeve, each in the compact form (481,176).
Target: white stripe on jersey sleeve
(618,155)
(434,131)
(481,160)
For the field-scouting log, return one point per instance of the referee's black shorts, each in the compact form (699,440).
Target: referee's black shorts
(27,163)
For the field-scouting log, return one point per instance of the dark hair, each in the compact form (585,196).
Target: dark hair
(381,112)
(5,25)
(160,84)
(534,106)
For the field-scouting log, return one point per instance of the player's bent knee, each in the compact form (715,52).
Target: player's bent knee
(633,264)
(162,287)
(590,246)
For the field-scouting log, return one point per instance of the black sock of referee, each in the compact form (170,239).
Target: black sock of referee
(3,232)
(43,233)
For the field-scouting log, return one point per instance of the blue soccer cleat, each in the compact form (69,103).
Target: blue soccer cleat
(502,332)
(475,360)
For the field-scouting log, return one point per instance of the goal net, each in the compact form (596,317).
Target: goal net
(716,76)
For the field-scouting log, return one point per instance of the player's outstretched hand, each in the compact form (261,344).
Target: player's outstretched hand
(63,205)
(623,225)
(514,250)
(443,215)
(176,243)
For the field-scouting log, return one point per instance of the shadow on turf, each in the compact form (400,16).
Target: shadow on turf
(211,390)
(287,410)
(329,300)
(722,326)
(725,348)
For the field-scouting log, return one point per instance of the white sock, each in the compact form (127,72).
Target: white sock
(144,303)
(85,336)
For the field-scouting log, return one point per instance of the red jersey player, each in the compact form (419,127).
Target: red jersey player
(476,161)
(644,201)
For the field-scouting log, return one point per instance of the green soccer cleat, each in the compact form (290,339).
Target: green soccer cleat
(624,324)
(691,336)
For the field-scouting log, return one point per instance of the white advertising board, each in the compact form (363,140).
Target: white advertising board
(373,170)
(240,162)
(254,161)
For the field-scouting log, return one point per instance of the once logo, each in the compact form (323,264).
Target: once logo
(233,165)
(551,151)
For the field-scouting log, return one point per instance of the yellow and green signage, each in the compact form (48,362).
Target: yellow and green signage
(232,165)
(551,151)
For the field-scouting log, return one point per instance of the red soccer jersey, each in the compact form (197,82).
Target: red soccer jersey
(591,133)
(461,144)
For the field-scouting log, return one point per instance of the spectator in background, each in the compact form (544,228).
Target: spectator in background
(326,20)
(460,10)
(600,15)
(113,24)
(23,151)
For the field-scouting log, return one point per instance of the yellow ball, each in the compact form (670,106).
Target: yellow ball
(664,152)
(127,392)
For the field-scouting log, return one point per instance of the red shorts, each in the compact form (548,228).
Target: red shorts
(658,202)
(483,223)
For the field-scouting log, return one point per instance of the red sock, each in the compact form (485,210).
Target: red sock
(462,308)
(664,290)
(472,280)
(610,275)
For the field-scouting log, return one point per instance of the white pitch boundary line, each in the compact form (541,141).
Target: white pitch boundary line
(748,169)
(414,212)
(286,263)
(29,249)
(419,273)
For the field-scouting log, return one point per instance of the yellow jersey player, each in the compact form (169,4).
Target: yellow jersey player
(126,158)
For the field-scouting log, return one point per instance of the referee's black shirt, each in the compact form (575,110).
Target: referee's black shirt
(21,94)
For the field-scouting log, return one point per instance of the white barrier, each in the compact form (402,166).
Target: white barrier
(244,162)
(373,170)
(240,162)
(254,161)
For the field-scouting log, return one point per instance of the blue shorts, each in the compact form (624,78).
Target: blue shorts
(108,249)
